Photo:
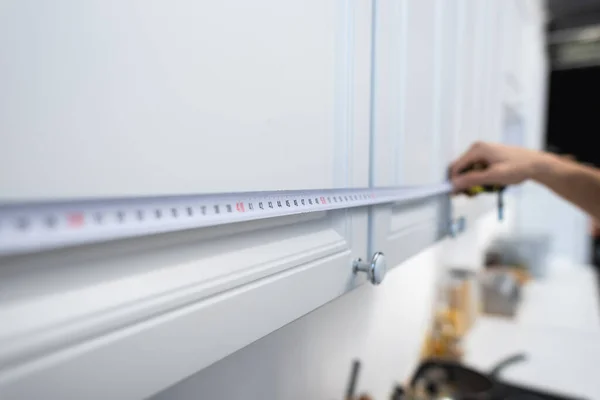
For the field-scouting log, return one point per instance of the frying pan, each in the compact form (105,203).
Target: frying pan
(466,383)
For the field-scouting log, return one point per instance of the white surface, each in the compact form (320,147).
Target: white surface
(447,99)
(563,361)
(311,357)
(114,99)
(466,130)
(184,299)
(95,91)
(567,229)
(557,327)
(384,326)
(418,58)
(566,299)
(111,98)
(405,149)
(568,226)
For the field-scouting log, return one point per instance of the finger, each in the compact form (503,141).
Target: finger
(475,154)
(490,176)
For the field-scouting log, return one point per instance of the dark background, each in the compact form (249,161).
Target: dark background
(573,119)
(573,113)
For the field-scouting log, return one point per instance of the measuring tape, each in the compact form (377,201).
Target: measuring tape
(41,226)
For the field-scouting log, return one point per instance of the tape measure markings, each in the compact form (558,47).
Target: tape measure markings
(34,227)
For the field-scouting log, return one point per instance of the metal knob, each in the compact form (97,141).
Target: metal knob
(375,269)
(457,226)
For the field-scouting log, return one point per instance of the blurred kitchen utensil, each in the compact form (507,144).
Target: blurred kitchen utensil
(500,292)
(528,251)
(441,379)
(351,389)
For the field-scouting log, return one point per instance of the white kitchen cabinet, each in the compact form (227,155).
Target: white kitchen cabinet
(106,99)
(447,76)
(474,93)
(466,133)
(478,58)
(512,28)
(478,62)
(405,146)
(534,72)
(480,71)
(494,110)
(119,99)
(485,96)
(417,162)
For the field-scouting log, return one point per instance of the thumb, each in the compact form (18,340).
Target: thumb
(494,175)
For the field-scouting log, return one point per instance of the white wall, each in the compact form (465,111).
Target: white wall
(382,326)
(541,212)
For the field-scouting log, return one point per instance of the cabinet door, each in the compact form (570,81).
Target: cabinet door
(128,99)
(480,66)
(511,51)
(471,93)
(404,142)
(494,113)
(467,133)
(447,77)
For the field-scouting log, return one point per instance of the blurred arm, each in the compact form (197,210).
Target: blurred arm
(574,182)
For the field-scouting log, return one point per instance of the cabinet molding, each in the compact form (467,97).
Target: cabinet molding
(283,91)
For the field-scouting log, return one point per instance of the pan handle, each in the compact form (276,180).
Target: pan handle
(516,358)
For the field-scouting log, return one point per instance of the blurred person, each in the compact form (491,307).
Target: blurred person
(595,234)
(508,165)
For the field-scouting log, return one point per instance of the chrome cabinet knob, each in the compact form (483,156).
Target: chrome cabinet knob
(457,226)
(375,269)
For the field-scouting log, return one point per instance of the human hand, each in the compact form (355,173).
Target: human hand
(506,165)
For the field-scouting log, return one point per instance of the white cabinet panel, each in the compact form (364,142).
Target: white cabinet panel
(418,157)
(480,65)
(388,91)
(466,53)
(403,106)
(125,99)
(122,98)
(133,99)
(512,15)
(405,148)
(447,89)
(495,83)
(474,91)
(155,313)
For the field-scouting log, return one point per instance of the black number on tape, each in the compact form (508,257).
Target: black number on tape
(51,221)
(23,223)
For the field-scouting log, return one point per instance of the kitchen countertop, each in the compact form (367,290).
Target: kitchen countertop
(557,327)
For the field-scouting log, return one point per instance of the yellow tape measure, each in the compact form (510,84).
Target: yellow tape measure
(475,190)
